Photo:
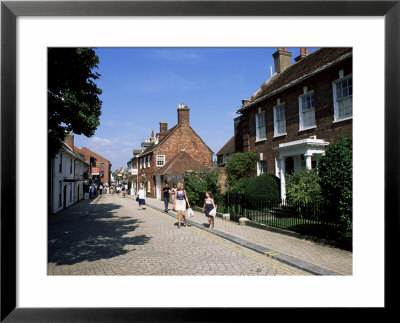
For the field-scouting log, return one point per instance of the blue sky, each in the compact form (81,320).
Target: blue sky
(143,86)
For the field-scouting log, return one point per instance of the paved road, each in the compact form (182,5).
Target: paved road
(115,238)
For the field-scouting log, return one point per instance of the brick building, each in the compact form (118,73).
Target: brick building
(298,112)
(171,152)
(99,167)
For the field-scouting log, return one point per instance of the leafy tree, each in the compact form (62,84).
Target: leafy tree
(239,168)
(303,186)
(73,96)
(198,183)
(336,172)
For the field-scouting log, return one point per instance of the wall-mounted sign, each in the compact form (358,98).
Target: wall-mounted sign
(95,171)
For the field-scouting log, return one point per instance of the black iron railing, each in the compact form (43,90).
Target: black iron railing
(315,219)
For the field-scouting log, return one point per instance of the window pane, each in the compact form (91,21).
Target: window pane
(261,132)
(260,119)
(308,118)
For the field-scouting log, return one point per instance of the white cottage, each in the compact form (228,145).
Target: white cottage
(67,172)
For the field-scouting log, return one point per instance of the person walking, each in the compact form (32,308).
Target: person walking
(123,191)
(180,204)
(92,190)
(207,207)
(173,190)
(141,196)
(166,191)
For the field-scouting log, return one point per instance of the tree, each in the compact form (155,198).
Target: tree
(198,183)
(336,173)
(73,96)
(239,168)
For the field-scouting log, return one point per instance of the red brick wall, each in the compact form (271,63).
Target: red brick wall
(88,153)
(324,116)
(183,137)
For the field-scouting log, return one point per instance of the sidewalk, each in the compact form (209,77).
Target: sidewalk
(303,254)
(78,210)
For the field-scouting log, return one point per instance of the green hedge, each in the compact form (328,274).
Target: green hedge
(265,186)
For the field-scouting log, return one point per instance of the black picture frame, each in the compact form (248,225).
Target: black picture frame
(10,10)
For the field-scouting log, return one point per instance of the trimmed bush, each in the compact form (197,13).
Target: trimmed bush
(264,186)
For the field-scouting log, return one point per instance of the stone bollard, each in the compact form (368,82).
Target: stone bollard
(242,221)
(226,217)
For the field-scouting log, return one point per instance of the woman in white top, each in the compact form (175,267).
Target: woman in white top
(207,207)
(141,196)
(180,203)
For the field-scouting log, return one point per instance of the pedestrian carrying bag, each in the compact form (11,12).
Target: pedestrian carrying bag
(189,213)
(213,212)
(137,198)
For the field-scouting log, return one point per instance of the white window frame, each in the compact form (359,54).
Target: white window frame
(259,169)
(276,110)
(160,160)
(144,162)
(148,161)
(301,121)
(148,186)
(335,100)
(258,137)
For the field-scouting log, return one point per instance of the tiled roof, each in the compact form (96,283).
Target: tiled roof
(154,146)
(74,153)
(310,64)
(181,163)
(228,148)
(91,153)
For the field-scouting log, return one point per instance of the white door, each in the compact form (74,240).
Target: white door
(158,187)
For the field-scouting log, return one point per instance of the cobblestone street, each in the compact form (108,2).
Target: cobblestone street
(115,238)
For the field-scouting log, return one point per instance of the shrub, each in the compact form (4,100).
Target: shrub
(264,186)
(336,173)
(241,185)
(303,186)
(198,183)
(238,167)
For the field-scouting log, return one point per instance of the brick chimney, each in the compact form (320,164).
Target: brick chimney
(69,140)
(183,115)
(303,53)
(163,130)
(282,59)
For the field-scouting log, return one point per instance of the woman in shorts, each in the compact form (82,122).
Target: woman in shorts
(207,207)
(180,203)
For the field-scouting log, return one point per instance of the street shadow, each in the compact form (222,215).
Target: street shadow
(100,235)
